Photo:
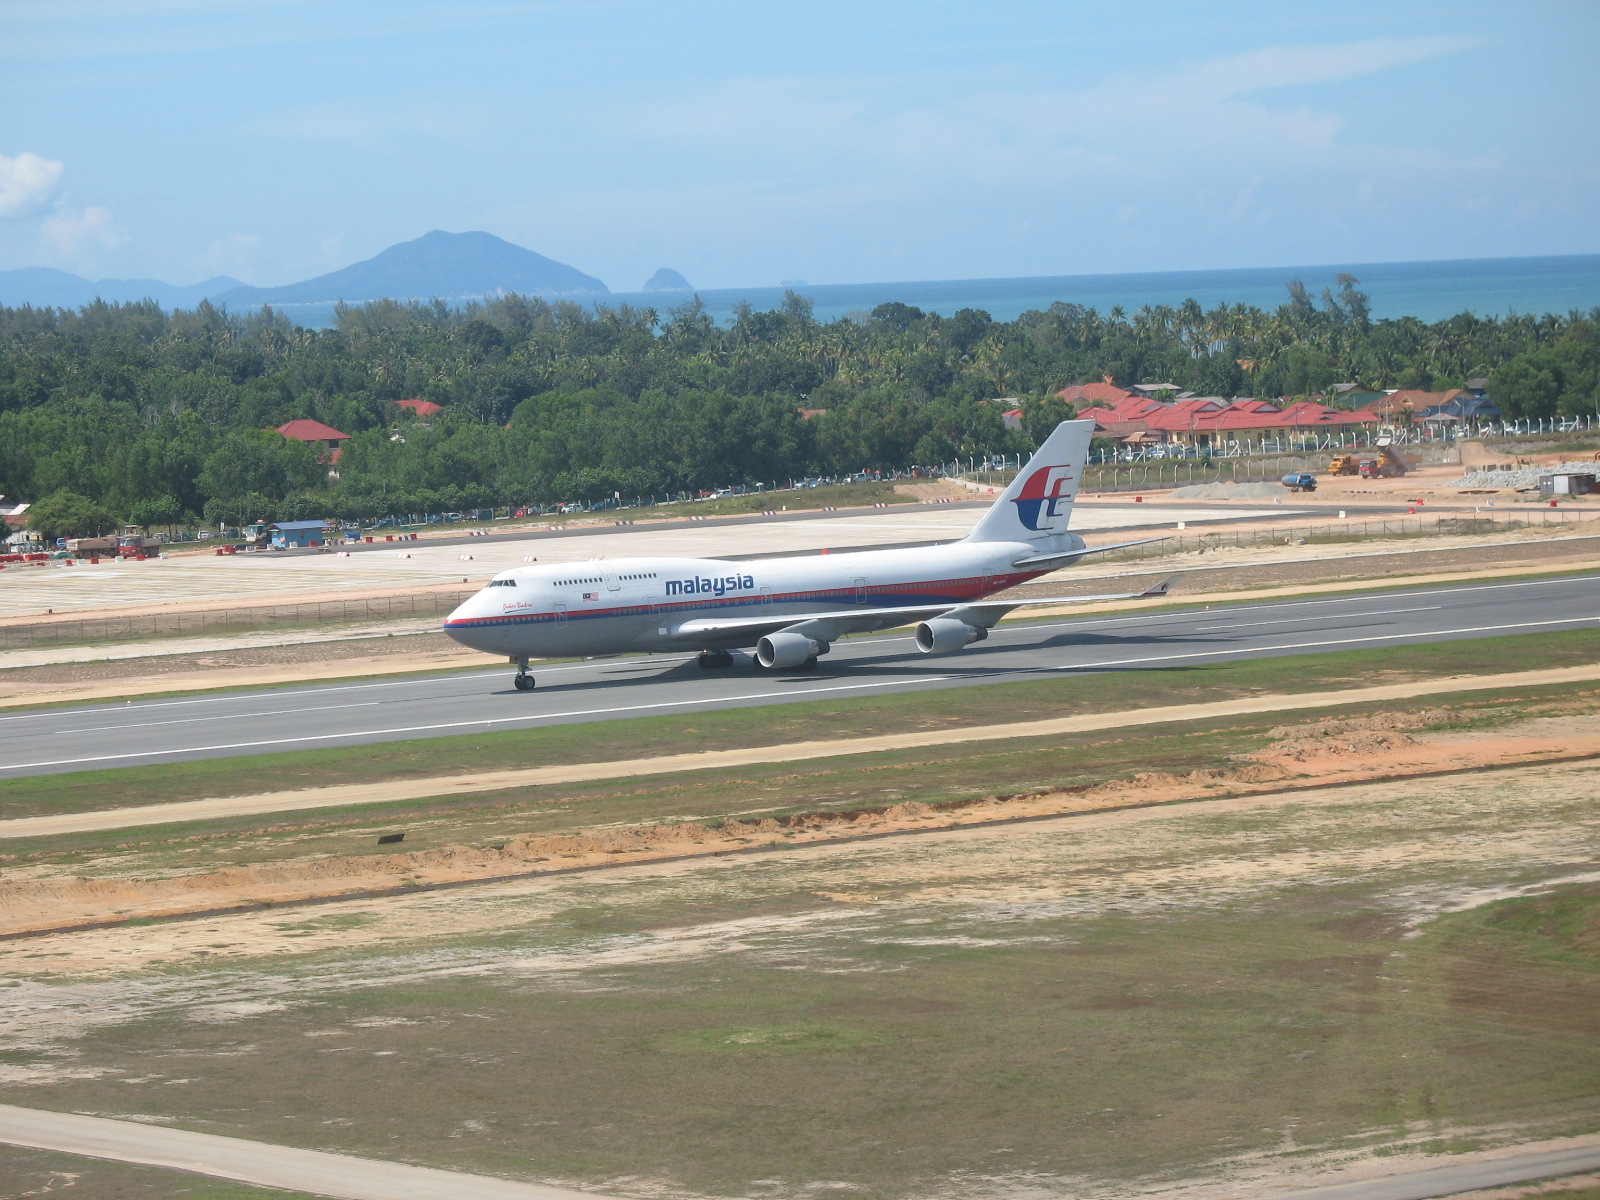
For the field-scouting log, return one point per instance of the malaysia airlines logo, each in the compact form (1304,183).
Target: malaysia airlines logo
(1041,495)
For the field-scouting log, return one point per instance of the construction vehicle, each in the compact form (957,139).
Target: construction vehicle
(1300,481)
(139,545)
(84,546)
(1389,463)
(1393,463)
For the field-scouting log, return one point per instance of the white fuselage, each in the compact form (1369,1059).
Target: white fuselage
(614,606)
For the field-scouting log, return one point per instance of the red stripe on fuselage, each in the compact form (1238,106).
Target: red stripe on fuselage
(949,591)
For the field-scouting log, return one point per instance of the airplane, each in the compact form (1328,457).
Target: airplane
(791,609)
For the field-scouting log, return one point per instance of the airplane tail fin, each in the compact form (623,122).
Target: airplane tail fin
(1038,504)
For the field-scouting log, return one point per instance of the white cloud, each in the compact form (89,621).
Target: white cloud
(27,183)
(69,234)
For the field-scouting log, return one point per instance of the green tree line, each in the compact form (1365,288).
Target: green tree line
(165,417)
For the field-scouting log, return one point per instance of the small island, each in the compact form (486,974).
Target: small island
(667,280)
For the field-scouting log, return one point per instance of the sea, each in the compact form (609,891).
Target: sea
(1430,291)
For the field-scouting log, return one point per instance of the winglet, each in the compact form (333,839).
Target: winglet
(1160,589)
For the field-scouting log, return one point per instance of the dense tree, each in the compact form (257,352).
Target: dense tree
(162,416)
(65,514)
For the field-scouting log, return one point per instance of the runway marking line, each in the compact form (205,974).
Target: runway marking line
(699,702)
(304,799)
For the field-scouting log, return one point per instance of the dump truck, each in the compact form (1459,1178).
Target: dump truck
(1302,481)
(1344,464)
(91,545)
(1394,463)
(132,545)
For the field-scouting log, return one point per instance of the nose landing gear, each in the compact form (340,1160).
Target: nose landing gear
(711,660)
(523,681)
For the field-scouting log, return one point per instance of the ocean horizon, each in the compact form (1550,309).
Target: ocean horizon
(1428,290)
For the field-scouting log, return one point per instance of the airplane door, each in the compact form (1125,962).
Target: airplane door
(861,591)
(612,582)
(561,612)
(766,596)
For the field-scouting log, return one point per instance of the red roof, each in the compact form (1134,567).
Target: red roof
(307,430)
(1309,412)
(1096,393)
(423,408)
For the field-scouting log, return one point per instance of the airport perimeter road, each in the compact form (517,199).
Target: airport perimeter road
(259,1163)
(1468,1176)
(354,714)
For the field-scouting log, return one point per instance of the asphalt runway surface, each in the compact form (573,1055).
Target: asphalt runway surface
(364,714)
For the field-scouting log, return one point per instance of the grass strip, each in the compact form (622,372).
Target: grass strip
(867,782)
(636,737)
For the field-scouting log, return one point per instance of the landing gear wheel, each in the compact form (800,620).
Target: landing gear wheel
(524,683)
(714,660)
(810,664)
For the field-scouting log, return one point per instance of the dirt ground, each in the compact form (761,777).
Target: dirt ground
(1223,998)
(1384,746)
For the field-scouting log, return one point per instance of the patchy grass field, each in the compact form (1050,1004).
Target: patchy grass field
(46,1173)
(1140,998)
(638,737)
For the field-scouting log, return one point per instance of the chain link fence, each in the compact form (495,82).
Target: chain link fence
(68,631)
(1349,531)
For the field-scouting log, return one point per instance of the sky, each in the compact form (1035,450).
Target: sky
(752,142)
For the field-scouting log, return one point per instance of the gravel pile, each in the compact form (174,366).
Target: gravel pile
(1523,476)
(1229,491)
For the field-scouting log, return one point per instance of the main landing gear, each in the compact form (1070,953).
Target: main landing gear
(523,681)
(714,660)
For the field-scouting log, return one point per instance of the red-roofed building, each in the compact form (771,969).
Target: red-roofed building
(423,408)
(1096,393)
(306,430)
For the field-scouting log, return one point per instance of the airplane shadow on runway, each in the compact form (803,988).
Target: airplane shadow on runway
(969,663)
(973,662)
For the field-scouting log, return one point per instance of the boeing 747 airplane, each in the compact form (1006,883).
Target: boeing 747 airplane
(792,609)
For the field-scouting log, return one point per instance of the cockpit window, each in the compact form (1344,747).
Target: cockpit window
(502,583)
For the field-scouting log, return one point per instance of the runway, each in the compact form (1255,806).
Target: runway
(360,714)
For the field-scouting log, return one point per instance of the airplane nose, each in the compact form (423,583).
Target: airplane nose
(460,626)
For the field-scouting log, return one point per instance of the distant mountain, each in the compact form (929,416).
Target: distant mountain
(667,280)
(449,266)
(45,287)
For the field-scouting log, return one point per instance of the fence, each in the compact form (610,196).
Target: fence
(1347,531)
(66,631)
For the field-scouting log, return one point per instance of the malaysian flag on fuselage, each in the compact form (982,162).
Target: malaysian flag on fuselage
(591,595)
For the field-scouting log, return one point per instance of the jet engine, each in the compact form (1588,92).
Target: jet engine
(945,634)
(783,650)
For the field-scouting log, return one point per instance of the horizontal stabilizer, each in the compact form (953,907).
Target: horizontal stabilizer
(1038,562)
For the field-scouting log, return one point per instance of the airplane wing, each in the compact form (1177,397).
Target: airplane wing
(831,625)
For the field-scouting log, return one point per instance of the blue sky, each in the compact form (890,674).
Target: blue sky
(748,143)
